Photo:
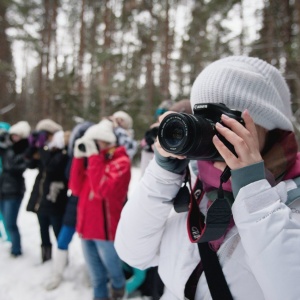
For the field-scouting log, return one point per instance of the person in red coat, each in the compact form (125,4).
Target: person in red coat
(100,176)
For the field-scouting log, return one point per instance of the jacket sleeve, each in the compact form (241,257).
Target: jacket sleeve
(77,175)
(270,235)
(144,217)
(109,178)
(18,164)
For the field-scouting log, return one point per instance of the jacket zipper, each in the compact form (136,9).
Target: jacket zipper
(105,221)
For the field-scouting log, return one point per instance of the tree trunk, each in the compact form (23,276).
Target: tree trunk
(105,88)
(80,87)
(165,74)
(7,86)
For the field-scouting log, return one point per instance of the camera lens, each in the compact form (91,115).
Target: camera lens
(81,147)
(187,135)
(174,133)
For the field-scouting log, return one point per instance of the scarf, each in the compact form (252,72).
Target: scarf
(281,160)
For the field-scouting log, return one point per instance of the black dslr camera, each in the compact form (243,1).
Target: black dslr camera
(191,135)
(4,136)
(5,140)
(82,146)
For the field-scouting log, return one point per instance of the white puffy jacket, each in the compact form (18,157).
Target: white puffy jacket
(260,255)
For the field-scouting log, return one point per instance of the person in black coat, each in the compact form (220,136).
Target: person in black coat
(69,221)
(49,194)
(13,147)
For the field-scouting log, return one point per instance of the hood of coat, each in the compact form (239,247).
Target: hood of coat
(22,129)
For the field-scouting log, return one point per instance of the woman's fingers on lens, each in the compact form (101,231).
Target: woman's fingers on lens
(228,156)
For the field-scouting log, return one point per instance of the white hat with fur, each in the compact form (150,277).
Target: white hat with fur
(22,129)
(103,131)
(126,119)
(48,125)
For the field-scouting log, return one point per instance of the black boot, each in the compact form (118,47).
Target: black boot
(46,253)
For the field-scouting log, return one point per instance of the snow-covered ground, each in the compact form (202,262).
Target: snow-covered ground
(24,278)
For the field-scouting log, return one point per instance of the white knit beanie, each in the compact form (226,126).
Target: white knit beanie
(241,83)
(48,125)
(127,120)
(103,131)
(22,129)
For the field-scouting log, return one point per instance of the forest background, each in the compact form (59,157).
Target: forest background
(73,60)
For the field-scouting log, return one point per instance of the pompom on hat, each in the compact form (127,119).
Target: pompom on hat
(48,125)
(22,129)
(242,82)
(103,131)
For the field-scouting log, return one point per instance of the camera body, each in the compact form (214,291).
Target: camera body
(5,140)
(82,146)
(191,135)
(150,137)
(4,136)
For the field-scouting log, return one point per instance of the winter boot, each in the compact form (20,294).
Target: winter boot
(118,294)
(46,253)
(60,263)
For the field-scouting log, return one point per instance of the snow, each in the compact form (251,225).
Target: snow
(25,277)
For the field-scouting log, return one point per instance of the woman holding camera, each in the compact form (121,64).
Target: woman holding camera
(243,234)
(101,184)
(13,146)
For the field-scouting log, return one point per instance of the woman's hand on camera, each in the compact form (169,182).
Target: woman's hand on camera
(157,145)
(244,139)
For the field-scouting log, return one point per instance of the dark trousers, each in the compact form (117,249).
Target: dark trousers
(46,221)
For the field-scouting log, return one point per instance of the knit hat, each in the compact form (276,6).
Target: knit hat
(22,129)
(48,125)
(241,83)
(103,131)
(127,120)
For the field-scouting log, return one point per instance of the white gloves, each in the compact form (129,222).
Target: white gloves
(85,147)
(55,188)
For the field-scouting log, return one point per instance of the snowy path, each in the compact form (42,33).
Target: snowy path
(24,277)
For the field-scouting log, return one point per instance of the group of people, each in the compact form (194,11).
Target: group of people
(237,235)
(81,185)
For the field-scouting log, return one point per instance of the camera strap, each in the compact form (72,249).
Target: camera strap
(205,229)
(202,231)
